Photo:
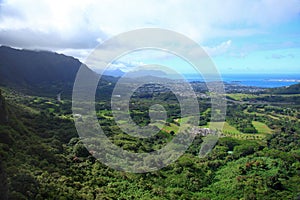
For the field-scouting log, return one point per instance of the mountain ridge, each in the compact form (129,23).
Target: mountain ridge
(38,71)
(292,89)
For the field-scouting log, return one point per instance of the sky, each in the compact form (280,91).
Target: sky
(240,36)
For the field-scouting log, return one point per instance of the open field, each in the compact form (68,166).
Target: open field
(172,127)
(226,128)
(241,96)
(262,128)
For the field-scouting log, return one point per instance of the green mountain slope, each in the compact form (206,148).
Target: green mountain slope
(37,72)
(42,157)
(293,89)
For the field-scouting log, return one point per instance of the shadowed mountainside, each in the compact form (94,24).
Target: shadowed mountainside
(37,72)
(293,89)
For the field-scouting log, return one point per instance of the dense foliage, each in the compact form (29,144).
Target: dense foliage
(43,158)
(293,89)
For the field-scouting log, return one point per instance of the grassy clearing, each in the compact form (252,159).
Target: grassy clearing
(244,136)
(106,114)
(119,121)
(207,111)
(230,129)
(182,120)
(172,127)
(286,116)
(262,128)
(226,128)
(273,116)
(240,96)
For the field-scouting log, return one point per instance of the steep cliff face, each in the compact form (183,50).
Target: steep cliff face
(3,110)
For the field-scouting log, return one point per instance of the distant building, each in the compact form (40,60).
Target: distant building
(203,131)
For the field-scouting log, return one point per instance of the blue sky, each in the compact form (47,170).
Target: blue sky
(241,36)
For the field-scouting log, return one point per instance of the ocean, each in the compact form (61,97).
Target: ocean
(257,80)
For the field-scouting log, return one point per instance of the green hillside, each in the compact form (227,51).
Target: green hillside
(42,157)
(40,72)
(293,89)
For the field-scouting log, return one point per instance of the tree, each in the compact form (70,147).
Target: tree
(81,151)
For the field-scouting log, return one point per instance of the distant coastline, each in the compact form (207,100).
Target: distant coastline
(257,80)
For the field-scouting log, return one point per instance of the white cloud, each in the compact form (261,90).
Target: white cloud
(82,24)
(81,54)
(219,49)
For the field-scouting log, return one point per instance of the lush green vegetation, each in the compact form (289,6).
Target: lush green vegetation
(293,89)
(42,157)
(261,128)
